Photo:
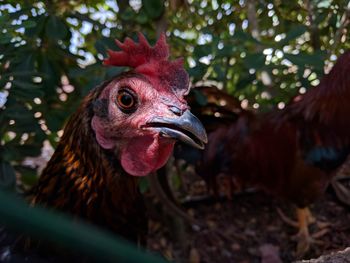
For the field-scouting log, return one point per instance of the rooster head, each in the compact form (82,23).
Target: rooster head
(140,114)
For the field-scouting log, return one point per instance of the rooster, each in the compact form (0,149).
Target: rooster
(292,153)
(124,129)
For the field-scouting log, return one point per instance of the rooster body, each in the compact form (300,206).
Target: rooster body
(124,129)
(83,179)
(294,150)
(272,159)
(291,153)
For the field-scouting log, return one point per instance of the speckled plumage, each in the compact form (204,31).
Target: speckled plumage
(85,180)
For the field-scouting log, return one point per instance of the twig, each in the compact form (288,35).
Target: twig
(253,19)
(314,32)
(254,28)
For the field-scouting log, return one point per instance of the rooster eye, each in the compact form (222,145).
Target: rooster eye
(126,101)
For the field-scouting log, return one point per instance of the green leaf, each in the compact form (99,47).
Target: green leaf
(74,235)
(255,60)
(28,150)
(28,24)
(200,97)
(153,8)
(202,50)
(320,17)
(219,71)
(142,17)
(226,51)
(333,20)
(244,81)
(7,176)
(100,47)
(56,28)
(51,76)
(29,176)
(198,71)
(5,39)
(53,122)
(24,94)
(303,59)
(114,71)
(176,181)
(4,20)
(40,22)
(143,185)
(17,111)
(293,33)
(22,74)
(242,36)
(25,85)
(27,62)
(103,44)
(25,24)
(128,14)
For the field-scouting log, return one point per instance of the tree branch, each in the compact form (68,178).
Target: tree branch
(314,31)
(253,19)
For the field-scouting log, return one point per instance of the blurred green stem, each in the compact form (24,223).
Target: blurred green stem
(75,235)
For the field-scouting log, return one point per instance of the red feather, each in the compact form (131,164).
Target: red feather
(326,108)
(152,62)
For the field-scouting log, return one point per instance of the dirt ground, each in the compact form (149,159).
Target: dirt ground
(246,229)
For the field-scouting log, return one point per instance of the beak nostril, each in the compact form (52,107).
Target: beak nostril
(175,110)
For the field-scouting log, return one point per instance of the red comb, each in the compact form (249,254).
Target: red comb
(152,62)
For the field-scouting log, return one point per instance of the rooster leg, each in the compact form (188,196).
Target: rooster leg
(286,219)
(305,240)
(312,220)
(309,217)
(303,236)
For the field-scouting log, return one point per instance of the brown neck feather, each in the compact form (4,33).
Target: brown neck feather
(83,179)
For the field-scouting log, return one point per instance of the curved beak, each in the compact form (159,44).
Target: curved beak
(185,128)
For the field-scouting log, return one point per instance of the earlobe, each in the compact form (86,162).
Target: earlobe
(104,142)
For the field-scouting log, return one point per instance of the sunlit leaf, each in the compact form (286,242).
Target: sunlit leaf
(303,59)
(293,33)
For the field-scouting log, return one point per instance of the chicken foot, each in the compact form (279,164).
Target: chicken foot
(304,238)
